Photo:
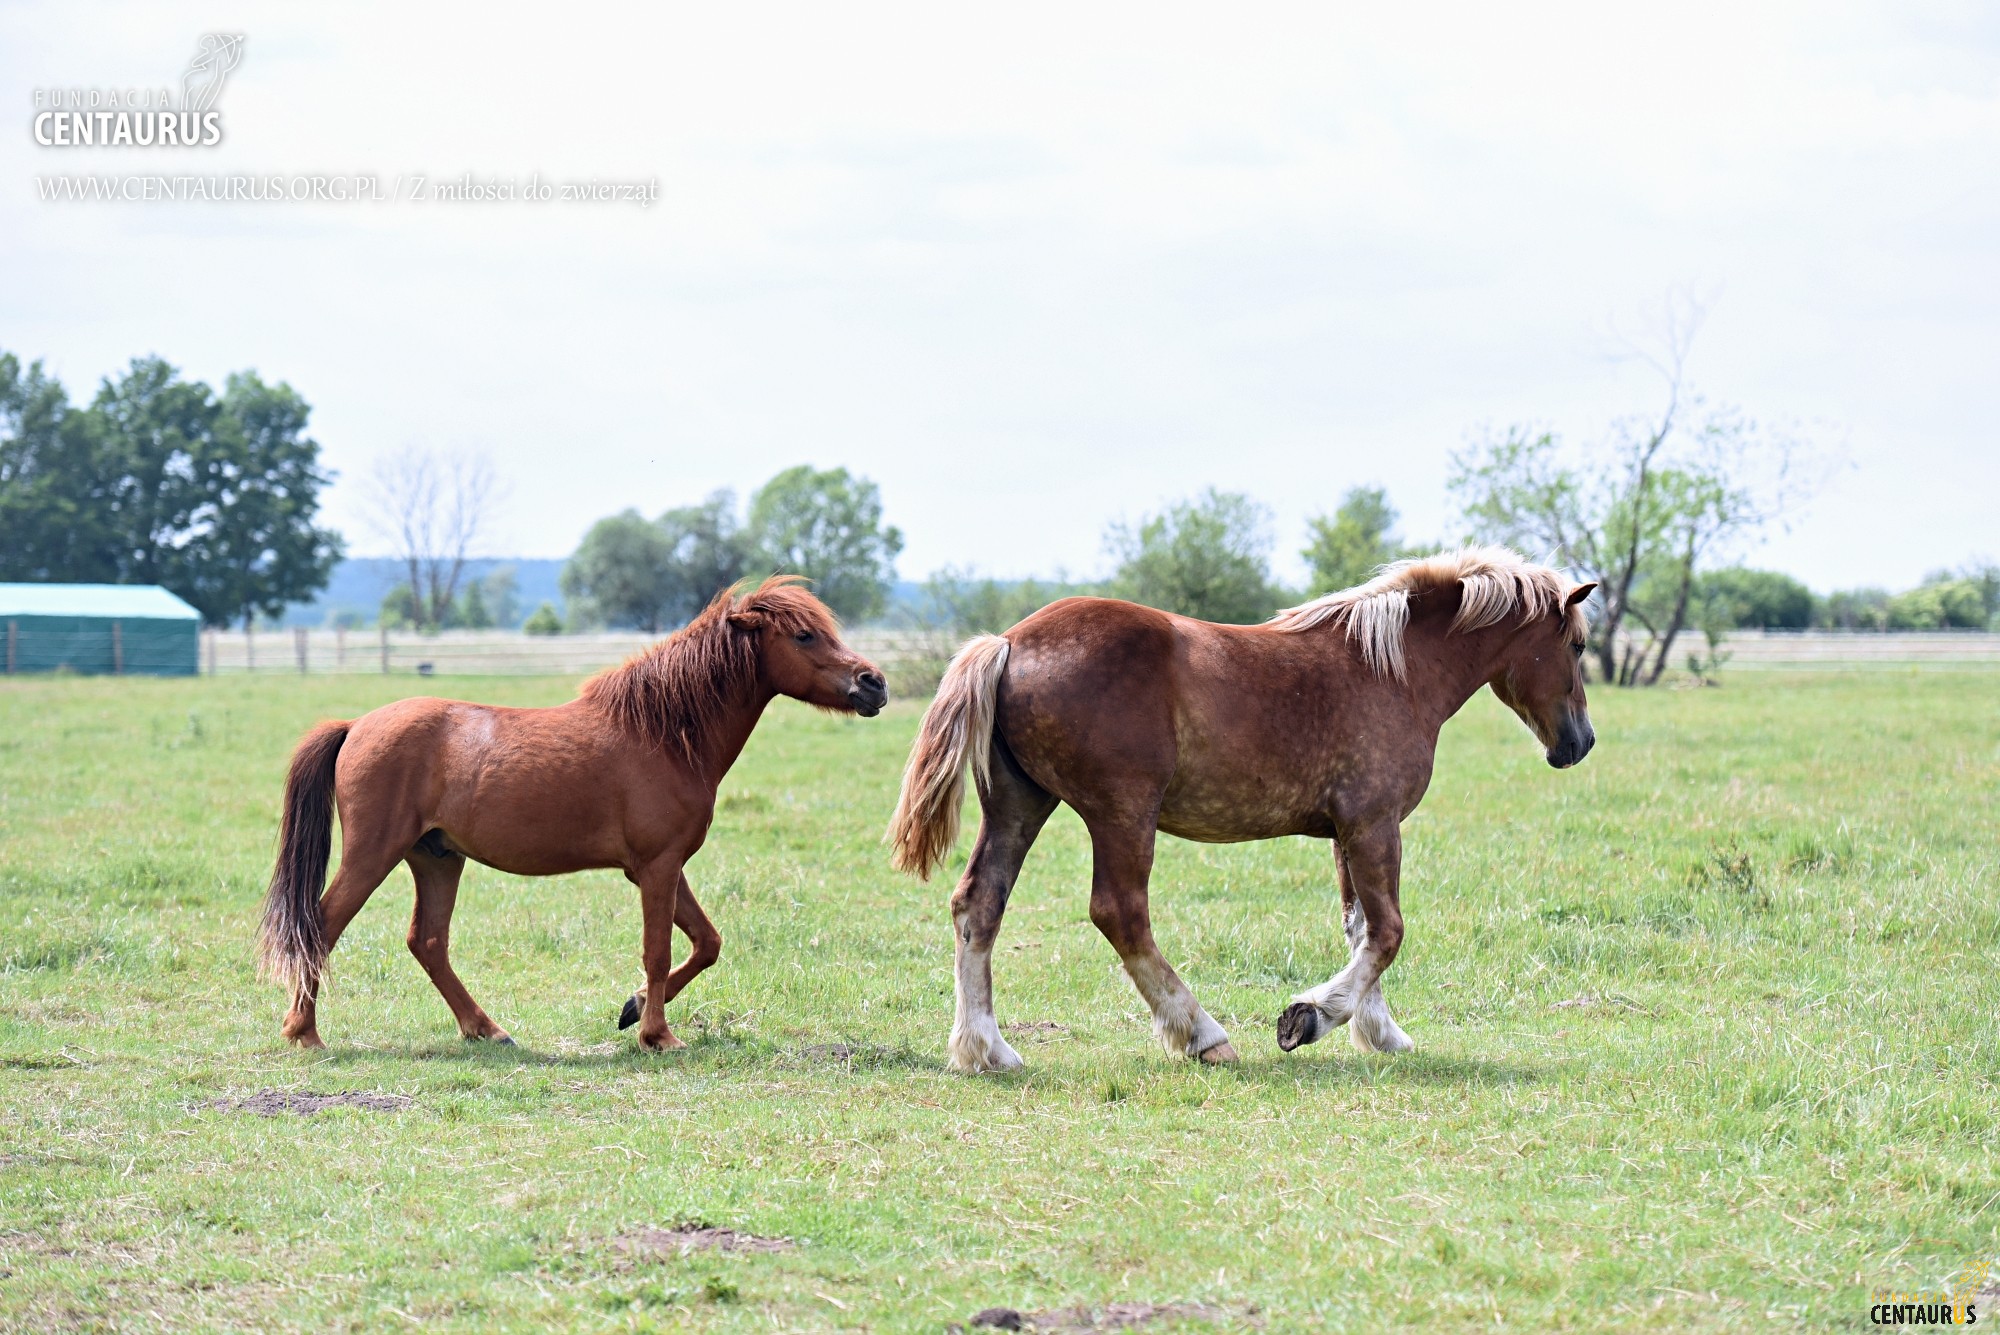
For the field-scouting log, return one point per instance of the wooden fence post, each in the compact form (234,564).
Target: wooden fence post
(340,648)
(249,646)
(299,647)
(211,634)
(384,630)
(13,637)
(117,648)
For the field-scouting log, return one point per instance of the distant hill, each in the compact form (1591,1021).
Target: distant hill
(359,584)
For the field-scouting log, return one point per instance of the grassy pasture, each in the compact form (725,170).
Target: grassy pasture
(1706,1036)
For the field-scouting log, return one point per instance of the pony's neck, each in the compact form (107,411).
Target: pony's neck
(726,736)
(1446,668)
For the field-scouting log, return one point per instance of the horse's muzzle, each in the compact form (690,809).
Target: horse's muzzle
(868,694)
(1573,741)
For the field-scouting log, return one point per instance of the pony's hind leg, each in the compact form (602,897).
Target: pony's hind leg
(364,864)
(1012,810)
(1370,866)
(430,938)
(1122,863)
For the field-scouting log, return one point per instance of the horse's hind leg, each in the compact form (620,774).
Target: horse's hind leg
(1012,810)
(430,939)
(365,863)
(1122,863)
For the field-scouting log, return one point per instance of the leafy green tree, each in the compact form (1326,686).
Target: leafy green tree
(502,594)
(620,574)
(158,481)
(400,609)
(254,546)
(55,509)
(1208,557)
(828,527)
(1740,598)
(544,620)
(1345,548)
(964,603)
(1855,609)
(1939,604)
(472,612)
(708,551)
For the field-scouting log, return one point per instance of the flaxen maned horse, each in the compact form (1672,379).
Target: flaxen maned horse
(623,776)
(1322,722)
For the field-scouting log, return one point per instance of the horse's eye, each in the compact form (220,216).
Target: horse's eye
(1577,649)
(803,636)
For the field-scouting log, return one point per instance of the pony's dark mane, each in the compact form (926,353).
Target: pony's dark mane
(673,694)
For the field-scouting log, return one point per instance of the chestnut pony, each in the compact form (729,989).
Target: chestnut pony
(1322,722)
(623,776)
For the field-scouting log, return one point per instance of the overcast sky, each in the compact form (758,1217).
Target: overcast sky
(1036,268)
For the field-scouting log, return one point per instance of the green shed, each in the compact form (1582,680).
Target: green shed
(99,628)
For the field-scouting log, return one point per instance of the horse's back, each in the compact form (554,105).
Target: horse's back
(1226,727)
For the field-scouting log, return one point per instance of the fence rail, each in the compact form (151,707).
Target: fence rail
(467,653)
(454,652)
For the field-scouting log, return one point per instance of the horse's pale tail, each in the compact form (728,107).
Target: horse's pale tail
(291,946)
(958,723)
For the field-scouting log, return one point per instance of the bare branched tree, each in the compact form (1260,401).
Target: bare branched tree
(433,508)
(1643,509)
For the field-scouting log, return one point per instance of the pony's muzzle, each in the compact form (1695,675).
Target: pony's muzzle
(869,693)
(1573,741)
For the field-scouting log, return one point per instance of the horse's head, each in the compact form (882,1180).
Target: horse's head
(800,652)
(1540,678)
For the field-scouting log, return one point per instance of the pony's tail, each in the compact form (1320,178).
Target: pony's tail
(959,722)
(291,946)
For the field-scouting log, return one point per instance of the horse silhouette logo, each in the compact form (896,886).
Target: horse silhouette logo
(215,54)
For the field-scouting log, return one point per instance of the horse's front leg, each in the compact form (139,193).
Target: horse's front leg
(1369,862)
(659,887)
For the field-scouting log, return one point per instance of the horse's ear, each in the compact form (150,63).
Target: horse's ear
(747,618)
(1579,593)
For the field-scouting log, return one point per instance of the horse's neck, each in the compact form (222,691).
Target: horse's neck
(731,730)
(1446,669)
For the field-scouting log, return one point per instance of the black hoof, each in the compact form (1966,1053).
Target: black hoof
(630,1015)
(1300,1024)
(506,1041)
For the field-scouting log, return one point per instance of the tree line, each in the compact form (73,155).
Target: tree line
(159,479)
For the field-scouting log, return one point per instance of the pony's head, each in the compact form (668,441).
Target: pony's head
(799,649)
(1540,678)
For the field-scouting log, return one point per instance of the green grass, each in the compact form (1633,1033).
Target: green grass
(1706,1039)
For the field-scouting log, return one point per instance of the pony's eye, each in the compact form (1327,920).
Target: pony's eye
(803,636)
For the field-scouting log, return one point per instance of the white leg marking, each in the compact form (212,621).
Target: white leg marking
(975,1043)
(1182,1027)
(1374,1029)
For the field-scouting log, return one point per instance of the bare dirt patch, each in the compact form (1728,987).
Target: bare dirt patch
(277,1102)
(1038,1031)
(1112,1316)
(683,1239)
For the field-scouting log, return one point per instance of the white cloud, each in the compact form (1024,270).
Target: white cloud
(1038,267)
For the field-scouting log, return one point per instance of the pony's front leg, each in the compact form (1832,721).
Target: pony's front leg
(1370,867)
(659,886)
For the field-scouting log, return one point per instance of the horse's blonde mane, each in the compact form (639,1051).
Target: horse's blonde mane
(1494,580)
